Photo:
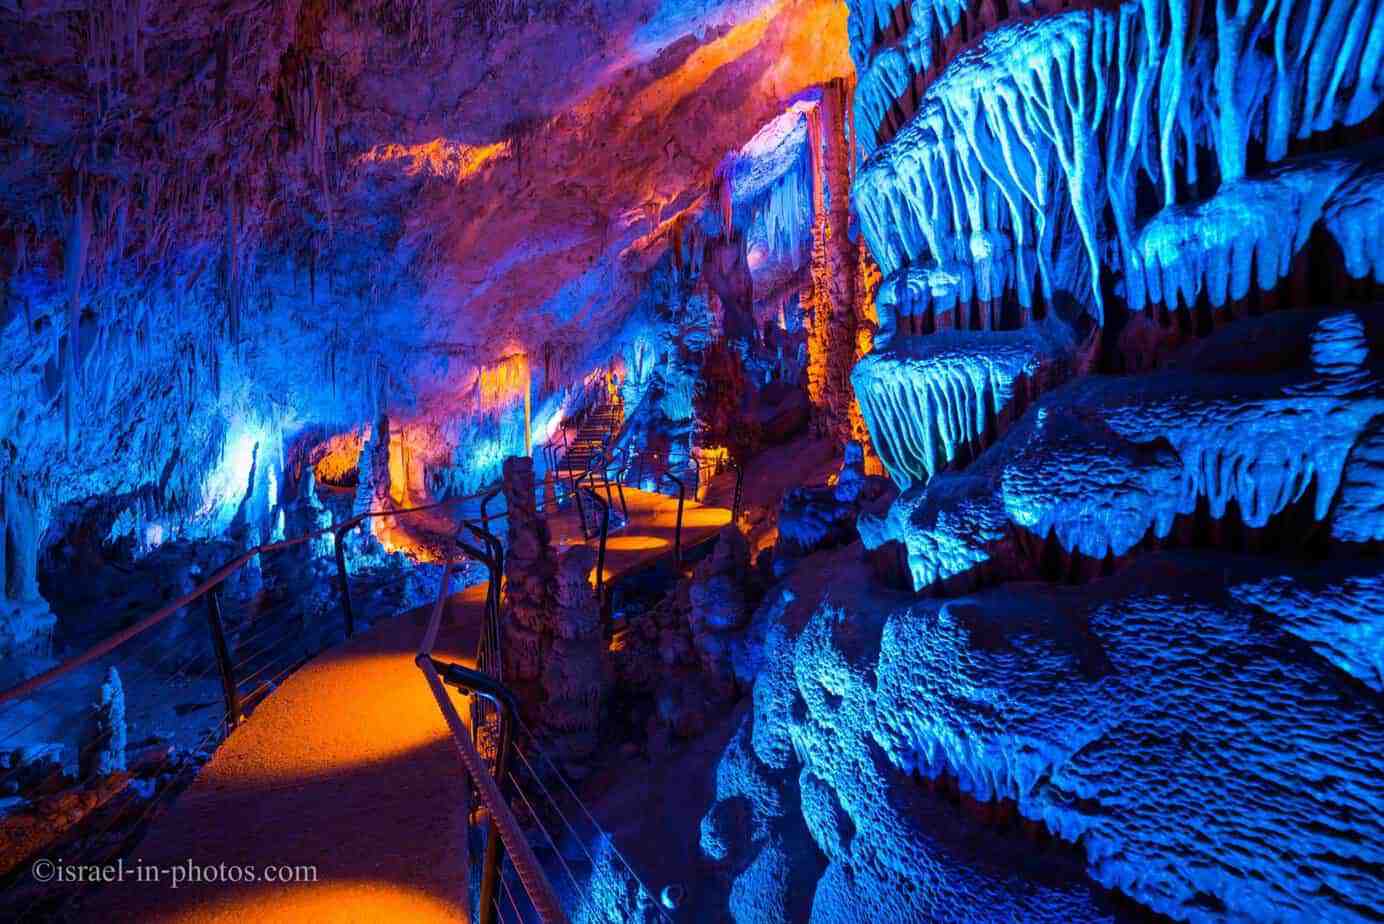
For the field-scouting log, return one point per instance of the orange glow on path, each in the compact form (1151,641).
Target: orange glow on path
(367,902)
(702,517)
(634,543)
(347,768)
(648,536)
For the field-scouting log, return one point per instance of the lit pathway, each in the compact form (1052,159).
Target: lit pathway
(646,537)
(346,767)
(649,534)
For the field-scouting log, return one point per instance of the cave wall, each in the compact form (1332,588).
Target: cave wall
(225,226)
(1112,652)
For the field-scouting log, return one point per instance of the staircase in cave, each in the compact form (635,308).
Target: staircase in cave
(597,429)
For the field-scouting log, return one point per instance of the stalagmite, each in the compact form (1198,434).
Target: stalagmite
(103,742)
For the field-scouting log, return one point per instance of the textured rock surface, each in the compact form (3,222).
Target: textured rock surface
(720,605)
(1206,763)
(575,675)
(929,400)
(220,225)
(1039,133)
(530,578)
(1105,462)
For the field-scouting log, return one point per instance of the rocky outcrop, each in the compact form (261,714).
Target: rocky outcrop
(823,517)
(721,606)
(530,577)
(575,674)
(1173,733)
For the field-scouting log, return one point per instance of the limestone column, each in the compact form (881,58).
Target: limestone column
(575,673)
(830,298)
(530,577)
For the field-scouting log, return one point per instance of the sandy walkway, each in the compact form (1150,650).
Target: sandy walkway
(346,768)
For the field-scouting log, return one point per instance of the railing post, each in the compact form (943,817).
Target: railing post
(485,505)
(739,491)
(479,684)
(605,475)
(677,527)
(600,553)
(490,871)
(223,659)
(677,530)
(493,559)
(343,583)
(620,489)
(581,510)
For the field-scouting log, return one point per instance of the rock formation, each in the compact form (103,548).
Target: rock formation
(530,578)
(575,674)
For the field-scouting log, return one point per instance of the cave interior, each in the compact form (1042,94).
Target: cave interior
(752,461)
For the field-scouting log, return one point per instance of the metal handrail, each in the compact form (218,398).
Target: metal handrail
(665,472)
(739,490)
(550,448)
(479,684)
(502,819)
(485,503)
(492,590)
(530,872)
(592,468)
(218,577)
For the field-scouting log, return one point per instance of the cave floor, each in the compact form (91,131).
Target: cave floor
(346,768)
(649,534)
(646,537)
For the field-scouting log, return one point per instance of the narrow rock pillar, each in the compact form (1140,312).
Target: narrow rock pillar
(530,575)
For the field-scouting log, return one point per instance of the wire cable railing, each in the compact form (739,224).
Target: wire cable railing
(175,682)
(202,671)
(504,826)
(522,807)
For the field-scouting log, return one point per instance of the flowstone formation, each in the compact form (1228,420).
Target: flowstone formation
(1262,418)
(1154,170)
(1122,620)
(1010,158)
(1168,721)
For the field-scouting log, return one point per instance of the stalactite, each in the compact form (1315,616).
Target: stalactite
(1136,92)
(74,260)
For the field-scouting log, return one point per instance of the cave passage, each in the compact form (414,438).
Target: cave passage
(762,461)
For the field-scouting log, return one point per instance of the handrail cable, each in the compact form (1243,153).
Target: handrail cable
(502,819)
(582,805)
(218,577)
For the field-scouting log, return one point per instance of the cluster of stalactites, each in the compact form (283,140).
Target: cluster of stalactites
(1068,114)
(781,210)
